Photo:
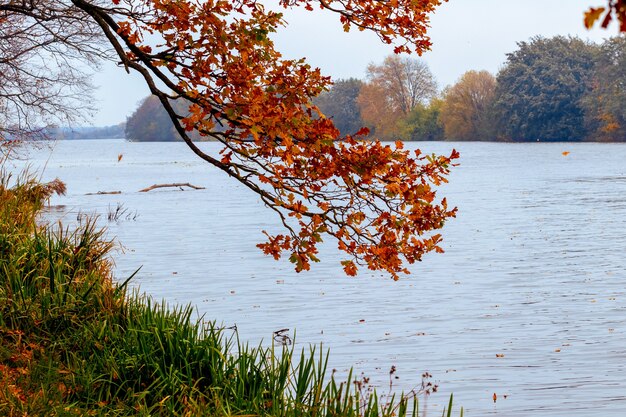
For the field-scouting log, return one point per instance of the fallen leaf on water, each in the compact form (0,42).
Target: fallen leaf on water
(499,355)
(557,350)
(565,153)
(495,397)
(119,157)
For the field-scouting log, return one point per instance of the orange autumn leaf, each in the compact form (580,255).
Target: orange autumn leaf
(592,15)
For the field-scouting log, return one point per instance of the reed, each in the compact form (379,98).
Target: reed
(74,343)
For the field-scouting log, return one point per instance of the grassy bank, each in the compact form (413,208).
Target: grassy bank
(75,343)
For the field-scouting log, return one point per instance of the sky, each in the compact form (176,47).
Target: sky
(466,35)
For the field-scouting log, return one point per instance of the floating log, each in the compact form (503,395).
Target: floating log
(104,192)
(177,184)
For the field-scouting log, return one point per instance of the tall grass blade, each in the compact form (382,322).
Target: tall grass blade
(123,285)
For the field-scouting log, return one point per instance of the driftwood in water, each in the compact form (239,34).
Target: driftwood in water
(104,192)
(178,184)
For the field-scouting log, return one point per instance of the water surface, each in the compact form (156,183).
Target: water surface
(534,270)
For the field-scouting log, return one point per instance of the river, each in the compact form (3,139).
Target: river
(528,301)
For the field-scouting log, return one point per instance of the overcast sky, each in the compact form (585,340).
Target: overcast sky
(466,34)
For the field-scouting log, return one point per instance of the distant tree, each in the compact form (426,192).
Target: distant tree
(82,133)
(339,103)
(467,108)
(376,112)
(394,88)
(605,109)
(539,91)
(423,124)
(150,123)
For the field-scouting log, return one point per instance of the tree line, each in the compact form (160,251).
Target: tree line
(549,89)
(83,133)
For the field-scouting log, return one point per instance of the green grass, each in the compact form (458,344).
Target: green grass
(74,343)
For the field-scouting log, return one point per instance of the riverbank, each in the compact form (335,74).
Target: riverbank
(75,342)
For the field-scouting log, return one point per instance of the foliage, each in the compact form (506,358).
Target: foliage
(394,88)
(72,343)
(340,105)
(467,109)
(423,122)
(605,114)
(539,91)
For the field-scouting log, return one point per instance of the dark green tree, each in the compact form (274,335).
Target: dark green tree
(423,123)
(539,91)
(605,113)
(340,104)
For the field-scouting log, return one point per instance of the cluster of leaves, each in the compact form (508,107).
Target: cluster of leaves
(614,9)
(377,201)
(405,21)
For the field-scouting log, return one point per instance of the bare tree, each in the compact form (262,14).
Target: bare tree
(47,51)
(406,82)
(394,88)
